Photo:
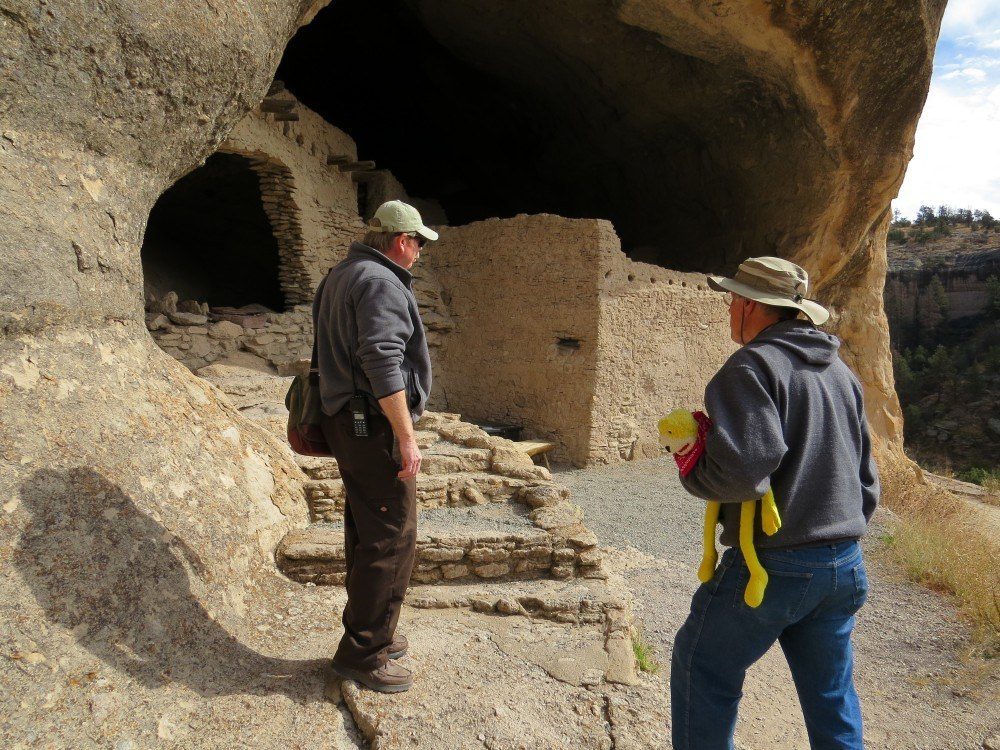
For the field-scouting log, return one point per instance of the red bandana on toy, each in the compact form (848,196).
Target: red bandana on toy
(686,463)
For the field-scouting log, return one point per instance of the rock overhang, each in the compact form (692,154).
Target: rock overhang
(705,135)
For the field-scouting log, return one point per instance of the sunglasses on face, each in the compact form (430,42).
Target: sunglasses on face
(420,240)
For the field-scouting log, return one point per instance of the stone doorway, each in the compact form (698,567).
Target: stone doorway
(210,240)
(223,266)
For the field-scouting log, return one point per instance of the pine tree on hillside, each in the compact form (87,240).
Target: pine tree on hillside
(934,311)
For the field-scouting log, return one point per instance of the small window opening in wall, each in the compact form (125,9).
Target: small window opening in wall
(567,344)
(209,239)
(363,199)
(631,277)
(607,274)
(684,284)
(652,279)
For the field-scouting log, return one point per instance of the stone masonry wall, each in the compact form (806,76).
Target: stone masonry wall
(313,211)
(523,299)
(661,337)
(326,198)
(558,331)
(538,321)
(198,339)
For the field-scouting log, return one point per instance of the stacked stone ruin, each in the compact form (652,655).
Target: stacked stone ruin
(487,513)
(197,334)
(276,194)
(495,534)
(199,338)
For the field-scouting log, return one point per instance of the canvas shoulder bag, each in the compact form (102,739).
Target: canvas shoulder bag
(305,407)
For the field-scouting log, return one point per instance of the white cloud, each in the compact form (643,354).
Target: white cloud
(968,16)
(974,74)
(956,157)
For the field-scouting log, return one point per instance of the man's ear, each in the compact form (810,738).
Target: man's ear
(397,242)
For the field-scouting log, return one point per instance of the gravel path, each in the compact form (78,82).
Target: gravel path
(921,683)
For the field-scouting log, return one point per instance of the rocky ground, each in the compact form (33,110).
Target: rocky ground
(505,663)
(921,682)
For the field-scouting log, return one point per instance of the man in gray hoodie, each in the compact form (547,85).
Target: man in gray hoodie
(375,376)
(787,414)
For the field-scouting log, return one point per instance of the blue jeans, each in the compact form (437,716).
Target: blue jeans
(809,605)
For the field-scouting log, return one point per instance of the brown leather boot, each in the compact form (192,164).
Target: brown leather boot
(389,678)
(398,647)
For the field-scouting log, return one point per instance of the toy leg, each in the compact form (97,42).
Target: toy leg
(754,593)
(769,517)
(710,557)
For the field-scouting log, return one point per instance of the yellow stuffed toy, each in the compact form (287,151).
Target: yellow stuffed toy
(683,434)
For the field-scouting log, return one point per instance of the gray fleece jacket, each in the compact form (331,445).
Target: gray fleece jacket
(788,413)
(366,306)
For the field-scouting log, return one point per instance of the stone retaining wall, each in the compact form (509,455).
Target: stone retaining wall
(315,556)
(196,339)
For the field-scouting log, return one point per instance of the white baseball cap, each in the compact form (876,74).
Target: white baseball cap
(395,216)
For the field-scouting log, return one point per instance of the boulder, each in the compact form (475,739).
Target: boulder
(187,319)
(225,330)
(157,321)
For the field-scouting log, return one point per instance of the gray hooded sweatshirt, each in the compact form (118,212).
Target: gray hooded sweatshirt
(787,413)
(366,308)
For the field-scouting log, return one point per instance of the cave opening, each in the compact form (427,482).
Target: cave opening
(495,109)
(210,240)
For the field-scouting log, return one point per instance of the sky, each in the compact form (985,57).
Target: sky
(956,157)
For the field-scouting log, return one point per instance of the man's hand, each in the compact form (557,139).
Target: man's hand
(398,413)
(686,448)
(410,457)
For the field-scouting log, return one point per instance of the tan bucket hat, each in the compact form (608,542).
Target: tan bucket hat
(396,216)
(773,281)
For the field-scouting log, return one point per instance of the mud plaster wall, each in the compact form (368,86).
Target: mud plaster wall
(517,287)
(558,331)
(661,337)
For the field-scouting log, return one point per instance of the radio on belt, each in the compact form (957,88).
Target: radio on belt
(359,412)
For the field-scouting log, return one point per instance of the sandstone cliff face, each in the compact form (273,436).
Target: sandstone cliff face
(963,277)
(797,151)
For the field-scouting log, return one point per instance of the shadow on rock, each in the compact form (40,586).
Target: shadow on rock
(102,568)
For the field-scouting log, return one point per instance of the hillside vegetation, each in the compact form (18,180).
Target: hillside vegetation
(942,298)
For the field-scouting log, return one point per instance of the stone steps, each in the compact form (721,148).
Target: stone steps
(451,475)
(573,601)
(467,489)
(484,543)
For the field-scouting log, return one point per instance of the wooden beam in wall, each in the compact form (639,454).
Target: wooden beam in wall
(277,105)
(286,117)
(337,159)
(357,166)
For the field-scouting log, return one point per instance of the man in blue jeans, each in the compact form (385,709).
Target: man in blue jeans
(788,414)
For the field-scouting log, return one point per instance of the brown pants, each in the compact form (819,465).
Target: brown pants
(380,537)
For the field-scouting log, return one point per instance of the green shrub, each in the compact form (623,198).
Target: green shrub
(645,654)
(987,478)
